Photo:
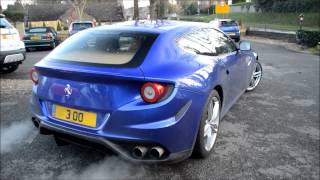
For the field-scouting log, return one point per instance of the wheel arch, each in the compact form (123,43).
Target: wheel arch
(219,89)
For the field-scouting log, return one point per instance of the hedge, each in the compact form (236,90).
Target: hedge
(308,38)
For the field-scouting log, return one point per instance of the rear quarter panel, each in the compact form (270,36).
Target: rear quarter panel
(166,62)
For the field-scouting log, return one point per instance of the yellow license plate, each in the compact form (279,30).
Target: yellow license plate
(7,37)
(35,38)
(76,116)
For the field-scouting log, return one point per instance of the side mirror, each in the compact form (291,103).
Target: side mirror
(245,46)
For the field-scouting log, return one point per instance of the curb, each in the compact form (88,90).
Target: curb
(287,45)
(289,36)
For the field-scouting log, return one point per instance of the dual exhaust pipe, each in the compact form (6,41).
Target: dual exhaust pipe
(155,152)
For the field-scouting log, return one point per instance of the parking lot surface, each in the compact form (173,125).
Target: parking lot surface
(271,133)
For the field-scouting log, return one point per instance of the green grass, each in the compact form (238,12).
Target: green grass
(241,4)
(281,21)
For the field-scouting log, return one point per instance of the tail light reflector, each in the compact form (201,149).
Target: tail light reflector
(153,92)
(34,76)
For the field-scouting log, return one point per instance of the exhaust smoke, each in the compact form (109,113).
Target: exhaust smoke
(15,134)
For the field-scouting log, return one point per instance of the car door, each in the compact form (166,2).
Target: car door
(227,53)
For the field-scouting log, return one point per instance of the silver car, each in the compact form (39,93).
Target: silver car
(12,49)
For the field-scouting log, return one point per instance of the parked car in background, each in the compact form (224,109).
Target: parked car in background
(151,92)
(228,26)
(79,26)
(40,37)
(12,49)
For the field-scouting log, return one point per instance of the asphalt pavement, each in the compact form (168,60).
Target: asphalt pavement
(271,133)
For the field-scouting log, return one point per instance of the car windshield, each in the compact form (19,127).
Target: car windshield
(104,47)
(4,23)
(81,26)
(228,23)
(37,30)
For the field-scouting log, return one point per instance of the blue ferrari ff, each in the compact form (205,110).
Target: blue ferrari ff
(151,92)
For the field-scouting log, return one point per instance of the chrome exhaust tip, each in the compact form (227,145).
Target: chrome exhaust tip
(156,152)
(139,152)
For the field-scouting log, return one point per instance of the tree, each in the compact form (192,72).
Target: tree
(79,6)
(286,6)
(152,9)
(59,27)
(135,9)
(158,8)
(15,12)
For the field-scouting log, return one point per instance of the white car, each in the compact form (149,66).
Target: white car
(12,49)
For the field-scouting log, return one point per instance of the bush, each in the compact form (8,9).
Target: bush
(308,38)
(205,10)
(14,16)
(190,9)
(59,26)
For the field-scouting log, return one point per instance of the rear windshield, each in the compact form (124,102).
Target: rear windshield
(4,23)
(228,23)
(81,26)
(37,30)
(106,47)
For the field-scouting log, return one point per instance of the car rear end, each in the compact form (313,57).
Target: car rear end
(39,37)
(12,49)
(231,28)
(79,26)
(92,88)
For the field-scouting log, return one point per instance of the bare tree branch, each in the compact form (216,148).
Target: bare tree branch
(79,6)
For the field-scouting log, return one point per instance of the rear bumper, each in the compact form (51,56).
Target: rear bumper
(40,43)
(47,128)
(131,125)
(5,57)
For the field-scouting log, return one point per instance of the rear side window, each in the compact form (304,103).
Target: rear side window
(221,44)
(206,41)
(37,30)
(117,48)
(228,23)
(81,26)
(197,42)
(4,23)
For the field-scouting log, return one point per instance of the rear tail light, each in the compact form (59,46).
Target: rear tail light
(153,92)
(47,36)
(34,76)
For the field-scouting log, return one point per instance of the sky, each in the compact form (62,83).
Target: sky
(5,3)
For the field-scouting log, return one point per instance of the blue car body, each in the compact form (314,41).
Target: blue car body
(124,120)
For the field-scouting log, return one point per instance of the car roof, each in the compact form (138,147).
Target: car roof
(226,20)
(160,26)
(82,22)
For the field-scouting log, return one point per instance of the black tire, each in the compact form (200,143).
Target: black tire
(199,150)
(28,49)
(237,39)
(9,68)
(53,45)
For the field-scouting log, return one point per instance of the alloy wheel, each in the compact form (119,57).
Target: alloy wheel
(212,124)
(256,77)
